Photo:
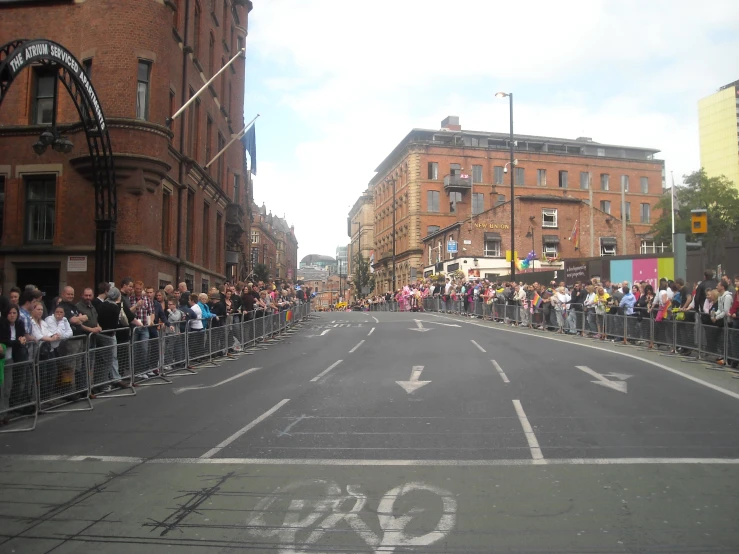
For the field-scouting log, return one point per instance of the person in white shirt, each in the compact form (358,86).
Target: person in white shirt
(40,330)
(58,326)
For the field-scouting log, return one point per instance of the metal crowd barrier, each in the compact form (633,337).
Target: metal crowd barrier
(86,367)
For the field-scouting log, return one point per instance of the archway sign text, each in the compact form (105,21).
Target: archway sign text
(36,50)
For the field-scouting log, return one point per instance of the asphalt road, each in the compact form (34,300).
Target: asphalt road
(390,433)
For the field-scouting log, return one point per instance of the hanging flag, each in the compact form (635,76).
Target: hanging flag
(576,235)
(249,140)
(675,202)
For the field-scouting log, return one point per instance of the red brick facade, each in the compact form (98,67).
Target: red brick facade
(273,244)
(161,180)
(478,155)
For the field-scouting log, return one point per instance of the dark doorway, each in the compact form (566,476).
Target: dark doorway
(45,279)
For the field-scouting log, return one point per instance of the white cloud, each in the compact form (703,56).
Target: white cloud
(360,76)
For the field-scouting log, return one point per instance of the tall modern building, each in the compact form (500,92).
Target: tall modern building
(718,121)
(342,260)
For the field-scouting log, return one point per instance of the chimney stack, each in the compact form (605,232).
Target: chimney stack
(451,123)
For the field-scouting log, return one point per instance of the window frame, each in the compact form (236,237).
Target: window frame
(564,179)
(433,199)
(519,177)
(541,182)
(476,174)
(605,206)
(42,72)
(487,252)
(478,198)
(587,180)
(45,202)
(605,181)
(147,83)
(254,237)
(642,219)
(550,247)
(643,180)
(498,175)
(625,183)
(551,213)
(607,249)
(455,197)
(433,171)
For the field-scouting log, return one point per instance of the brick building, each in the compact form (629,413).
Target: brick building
(554,227)
(145,58)
(361,228)
(437,176)
(273,244)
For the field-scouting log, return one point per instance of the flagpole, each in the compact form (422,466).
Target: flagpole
(198,93)
(234,138)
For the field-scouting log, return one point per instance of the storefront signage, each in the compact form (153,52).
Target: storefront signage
(37,50)
(576,271)
(492,226)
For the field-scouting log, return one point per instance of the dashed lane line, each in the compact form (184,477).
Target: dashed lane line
(360,343)
(500,371)
(480,348)
(528,431)
(325,371)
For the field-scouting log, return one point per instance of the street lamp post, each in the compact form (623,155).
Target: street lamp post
(512,162)
(393,180)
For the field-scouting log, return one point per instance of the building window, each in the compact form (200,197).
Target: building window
(477,174)
(608,246)
(549,217)
(518,174)
(563,179)
(492,249)
(206,234)
(601,152)
(189,245)
(192,121)
(550,250)
(219,242)
(220,165)
(584,180)
(223,79)
(2,205)
(205,286)
(142,90)
(478,203)
(652,247)
(208,140)
(237,192)
(211,54)
(432,229)
(87,68)
(166,207)
(40,208)
(196,31)
(498,174)
(44,96)
(644,182)
(627,211)
(644,211)
(625,183)
(500,200)
(255,237)
(605,181)
(605,206)
(254,256)
(433,170)
(454,197)
(541,178)
(455,169)
(432,201)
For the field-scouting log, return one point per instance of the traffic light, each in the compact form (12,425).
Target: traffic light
(698,222)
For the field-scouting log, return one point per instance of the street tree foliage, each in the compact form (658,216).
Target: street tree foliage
(363,276)
(718,196)
(261,272)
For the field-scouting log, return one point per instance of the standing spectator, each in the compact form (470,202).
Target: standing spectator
(218,322)
(112,317)
(184,294)
(700,292)
(143,308)
(102,296)
(86,308)
(13,339)
(175,347)
(14,295)
(76,321)
(720,316)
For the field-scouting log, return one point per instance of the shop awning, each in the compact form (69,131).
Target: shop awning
(492,236)
(550,239)
(608,241)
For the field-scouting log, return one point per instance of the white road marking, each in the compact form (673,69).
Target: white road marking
(413,383)
(360,343)
(717,388)
(500,371)
(371,331)
(213,451)
(326,331)
(325,371)
(376,320)
(201,387)
(620,386)
(419,326)
(528,431)
(480,348)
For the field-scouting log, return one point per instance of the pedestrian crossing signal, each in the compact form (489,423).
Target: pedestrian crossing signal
(698,222)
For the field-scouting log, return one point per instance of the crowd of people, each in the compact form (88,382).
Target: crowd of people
(578,309)
(29,329)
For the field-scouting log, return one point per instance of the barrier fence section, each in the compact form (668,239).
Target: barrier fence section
(56,375)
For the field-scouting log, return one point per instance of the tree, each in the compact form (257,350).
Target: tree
(362,276)
(718,196)
(261,273)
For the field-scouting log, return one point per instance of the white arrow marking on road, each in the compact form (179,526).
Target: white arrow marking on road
(620,386)
(444,324)
(201,387)
(326,331)
(419,326)
(413,384)
(620,376)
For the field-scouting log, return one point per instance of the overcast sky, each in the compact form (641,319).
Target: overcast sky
(339,83)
